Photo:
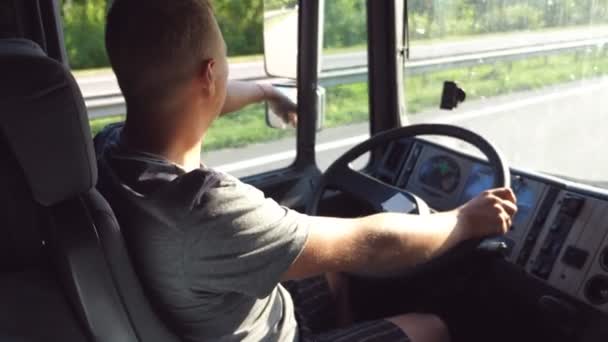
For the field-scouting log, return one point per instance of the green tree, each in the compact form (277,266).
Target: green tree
(84,23)
(242,25)
(270,5)
(345,23)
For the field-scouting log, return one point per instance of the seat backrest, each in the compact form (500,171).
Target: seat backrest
(33,306)
(49,248)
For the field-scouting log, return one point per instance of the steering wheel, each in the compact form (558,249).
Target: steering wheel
(375,193)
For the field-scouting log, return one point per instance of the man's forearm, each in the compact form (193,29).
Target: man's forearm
(240,94)
(387,243)
(394,242)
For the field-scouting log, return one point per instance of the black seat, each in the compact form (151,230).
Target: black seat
(33,306)
(65,274)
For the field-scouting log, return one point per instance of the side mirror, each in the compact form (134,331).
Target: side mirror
(281,37)
(273,120)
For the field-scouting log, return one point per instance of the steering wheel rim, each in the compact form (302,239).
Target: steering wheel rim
(502,175)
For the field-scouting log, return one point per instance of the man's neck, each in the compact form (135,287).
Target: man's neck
(190,160)
(178,143)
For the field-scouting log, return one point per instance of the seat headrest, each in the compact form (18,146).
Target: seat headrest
(44,120)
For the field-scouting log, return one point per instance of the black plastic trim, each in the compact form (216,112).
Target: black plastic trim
(308,58)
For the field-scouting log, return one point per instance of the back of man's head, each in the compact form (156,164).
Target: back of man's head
(155,46)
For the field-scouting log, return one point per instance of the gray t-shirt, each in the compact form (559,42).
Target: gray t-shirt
(209,249)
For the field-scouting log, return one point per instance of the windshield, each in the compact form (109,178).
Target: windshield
(535,75)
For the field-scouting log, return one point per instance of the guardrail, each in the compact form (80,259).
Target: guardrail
(113,104)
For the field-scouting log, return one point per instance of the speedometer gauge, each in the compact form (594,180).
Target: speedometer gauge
(441,173)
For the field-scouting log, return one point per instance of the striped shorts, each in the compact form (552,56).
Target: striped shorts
(315,315)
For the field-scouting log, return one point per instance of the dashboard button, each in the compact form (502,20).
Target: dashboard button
(556,227)
(562,223)
(555,249)
(548,246)
(545,271)
(575,257)
(572,206)
(537,266)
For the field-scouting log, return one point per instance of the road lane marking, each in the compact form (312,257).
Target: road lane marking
(332,145)
(249,163)
(84,80)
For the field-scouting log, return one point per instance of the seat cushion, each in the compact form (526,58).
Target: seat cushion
(34,309)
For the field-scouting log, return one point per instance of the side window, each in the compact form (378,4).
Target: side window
(347,107)
(240,142)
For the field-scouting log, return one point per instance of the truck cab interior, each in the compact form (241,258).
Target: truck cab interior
(66,274)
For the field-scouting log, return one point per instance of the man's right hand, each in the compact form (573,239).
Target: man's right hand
(489,214)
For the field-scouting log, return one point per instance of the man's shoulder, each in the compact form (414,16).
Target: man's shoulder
(143,176)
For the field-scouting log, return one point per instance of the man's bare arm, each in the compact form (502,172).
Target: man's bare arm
(388,243)
(240,94)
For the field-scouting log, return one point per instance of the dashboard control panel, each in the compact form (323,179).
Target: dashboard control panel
(559,235)
(555,236)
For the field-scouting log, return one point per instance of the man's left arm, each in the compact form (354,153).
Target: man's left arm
(240,94)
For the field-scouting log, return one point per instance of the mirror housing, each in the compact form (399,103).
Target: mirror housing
(273,120)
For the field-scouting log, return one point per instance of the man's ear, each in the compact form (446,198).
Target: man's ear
(207,77)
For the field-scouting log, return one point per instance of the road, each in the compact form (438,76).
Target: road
(105,84)
(561,130)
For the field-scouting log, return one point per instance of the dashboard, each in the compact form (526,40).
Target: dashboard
(559,235)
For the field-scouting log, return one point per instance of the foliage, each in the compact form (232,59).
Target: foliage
(98,124)
(84,26)
(345,21)
(242,24)
(270,5)
(84,23)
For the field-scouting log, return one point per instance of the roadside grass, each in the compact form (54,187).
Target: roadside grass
(98,124)
(487,80)
(246,127)
(348,104)
(92,72)
(245,58)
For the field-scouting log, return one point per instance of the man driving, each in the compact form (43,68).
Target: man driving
(212,252)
